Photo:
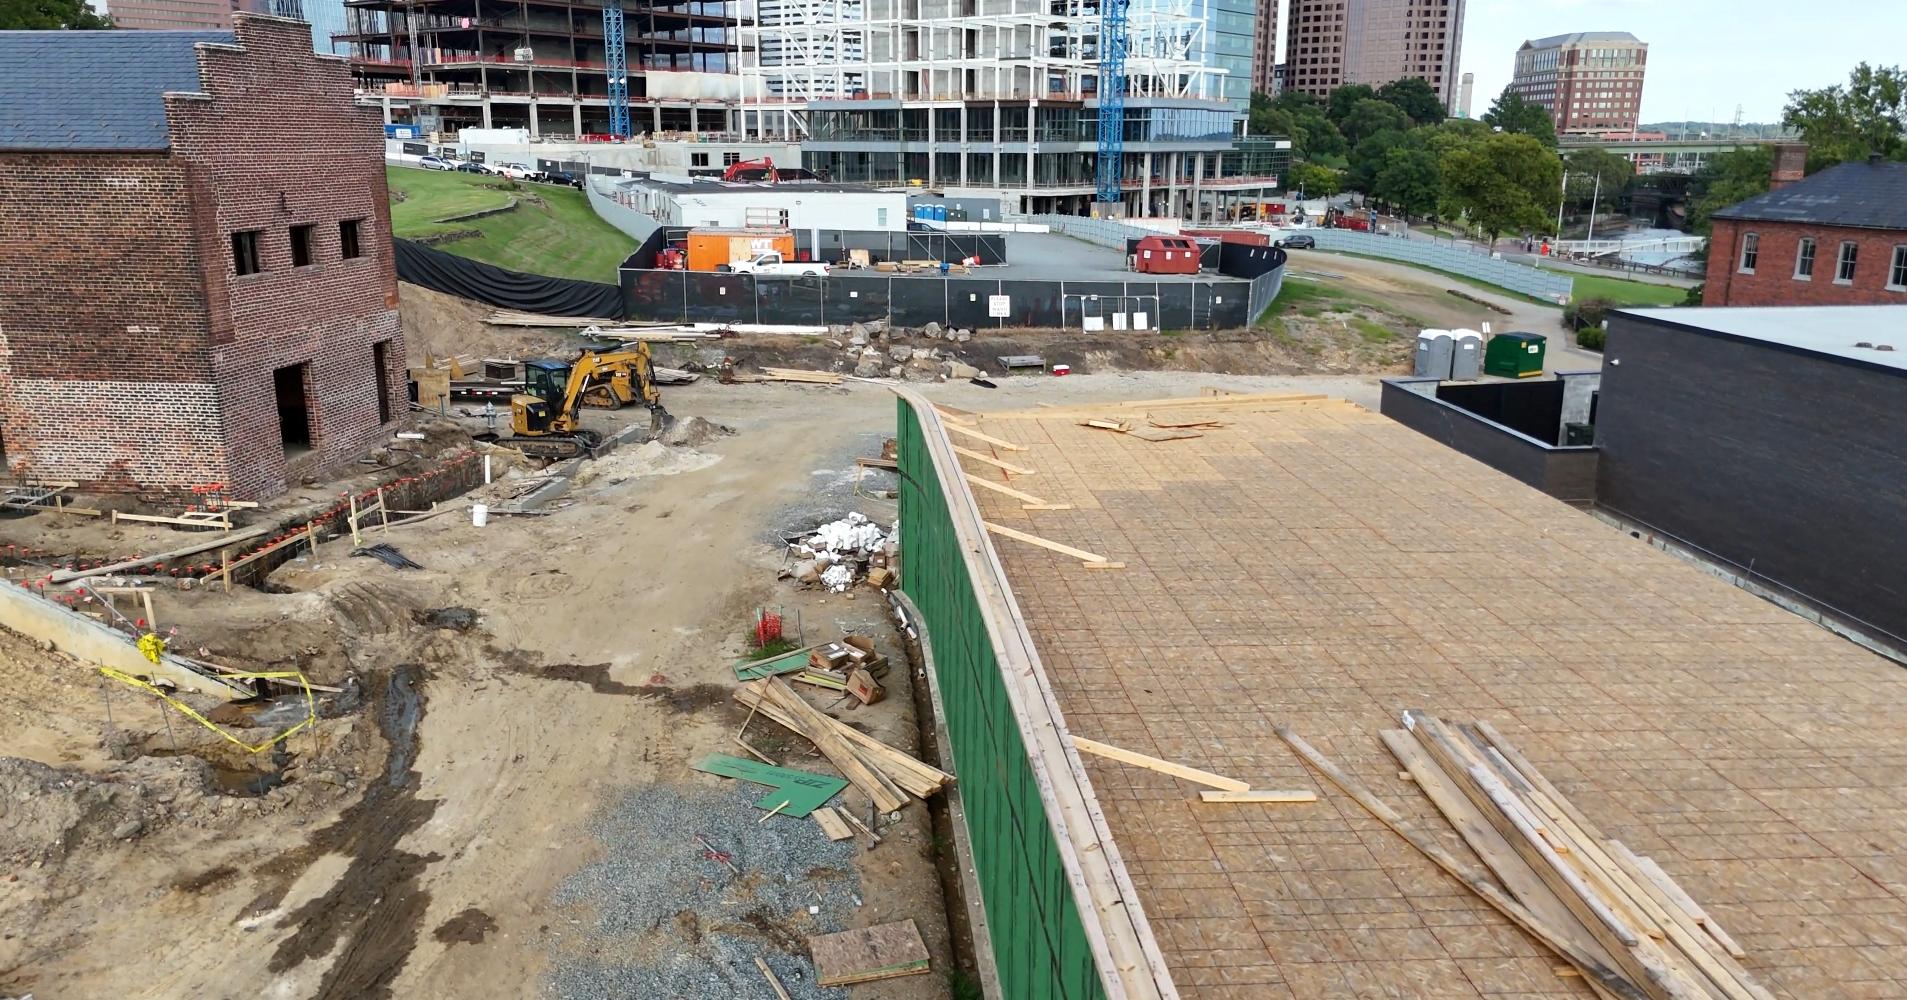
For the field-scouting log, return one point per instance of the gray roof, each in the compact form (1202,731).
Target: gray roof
(1579,38)
(1864,194)
(94,89)
(1828,331)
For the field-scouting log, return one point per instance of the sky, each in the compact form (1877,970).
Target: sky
(1705,56)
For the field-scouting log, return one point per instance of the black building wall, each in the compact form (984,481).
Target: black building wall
(1790,465)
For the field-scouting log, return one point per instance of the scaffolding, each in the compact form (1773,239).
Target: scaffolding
(793,52)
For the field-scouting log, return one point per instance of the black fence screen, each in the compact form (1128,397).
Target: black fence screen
(652,296)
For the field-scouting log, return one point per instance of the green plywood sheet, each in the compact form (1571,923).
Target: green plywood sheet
(786,663)
(797,792)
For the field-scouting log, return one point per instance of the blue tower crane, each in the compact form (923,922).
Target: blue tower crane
(1112,101)
(618,60)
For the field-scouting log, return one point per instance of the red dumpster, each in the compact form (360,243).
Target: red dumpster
(1165,255)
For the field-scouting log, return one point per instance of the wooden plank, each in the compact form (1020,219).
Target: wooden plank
(1046,506)
(1233,400)
(1044,543)
(878,463)
(821,731)
(868,954)
(1606,980)
(918,778)
(1170,423)
(1161,434)
(156,519)
(988,438)
(990,460)
(65,576)
(1697,942)
(1193,774)
(773,983)
(267,550)
(1102,424)
(831,824)
(1655,874)
(1256,795)
(988,484)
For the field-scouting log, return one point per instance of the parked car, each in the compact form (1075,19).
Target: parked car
(1299,242)
(435,163)
(516,173)
(562,177)
(471,167)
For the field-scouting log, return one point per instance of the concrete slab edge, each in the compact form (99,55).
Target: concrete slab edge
(86,640)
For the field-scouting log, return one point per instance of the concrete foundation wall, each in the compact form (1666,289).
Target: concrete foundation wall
(1564,473)
(92,643)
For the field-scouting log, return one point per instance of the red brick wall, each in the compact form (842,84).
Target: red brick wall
(105,374)
(1774,283)
(276,141)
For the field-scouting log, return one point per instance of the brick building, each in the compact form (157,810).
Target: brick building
(196,280)
(1589,81)
(1329,43)
(1836,238)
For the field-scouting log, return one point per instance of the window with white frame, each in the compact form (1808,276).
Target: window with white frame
(1750,251)
(1897,271)
(1804,260)
(1844,265)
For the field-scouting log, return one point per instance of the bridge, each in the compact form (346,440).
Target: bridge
(1632,146)
(1616,248)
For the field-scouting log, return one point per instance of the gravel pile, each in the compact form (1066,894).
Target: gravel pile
(687,925)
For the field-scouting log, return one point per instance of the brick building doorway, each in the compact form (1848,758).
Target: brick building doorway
(294,415)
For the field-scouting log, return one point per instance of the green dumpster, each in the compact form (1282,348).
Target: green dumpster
(1514,355)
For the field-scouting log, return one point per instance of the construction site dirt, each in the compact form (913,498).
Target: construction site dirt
(504,745)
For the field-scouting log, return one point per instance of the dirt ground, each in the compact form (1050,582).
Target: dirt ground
(461,817)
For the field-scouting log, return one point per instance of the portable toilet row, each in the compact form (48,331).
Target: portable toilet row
(930,213)
(1456,355)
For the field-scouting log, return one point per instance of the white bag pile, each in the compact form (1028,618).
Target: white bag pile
(838,553)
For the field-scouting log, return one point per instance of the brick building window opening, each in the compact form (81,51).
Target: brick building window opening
(245,253)
(301,246)
(381,370)
(1844,270)
(1750,250)
(1804,260)
(1897,271)
(348,239)
(294,415)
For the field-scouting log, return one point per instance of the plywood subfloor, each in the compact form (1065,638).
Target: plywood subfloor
(1326,568)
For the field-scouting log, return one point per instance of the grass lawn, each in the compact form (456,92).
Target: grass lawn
(561,237)
(1624,292)
(1313,299)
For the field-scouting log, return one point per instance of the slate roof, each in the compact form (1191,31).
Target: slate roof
(1580,37)
(1863,194)
(94,89)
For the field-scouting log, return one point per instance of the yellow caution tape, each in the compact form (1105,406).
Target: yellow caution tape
(311,702)
(152,646)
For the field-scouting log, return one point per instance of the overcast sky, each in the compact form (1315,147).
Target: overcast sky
(1705,56)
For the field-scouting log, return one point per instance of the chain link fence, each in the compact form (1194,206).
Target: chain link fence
(1520,278)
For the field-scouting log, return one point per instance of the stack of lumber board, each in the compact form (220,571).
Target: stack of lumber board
(887,776)
(801,375)
(517,317)
(1618,917)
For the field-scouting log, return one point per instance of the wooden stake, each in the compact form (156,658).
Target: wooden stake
(778,807)
(773,983)
(383,516)
(355,540)
(225,571)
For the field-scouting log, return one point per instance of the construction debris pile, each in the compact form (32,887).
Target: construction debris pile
(1617,917)
(840,553)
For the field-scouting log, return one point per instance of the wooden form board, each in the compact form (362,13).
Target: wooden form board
(1121,943)
(1151,763)
(868,954)
(832,824)
(1045,543)
(990,460)
(1259,795)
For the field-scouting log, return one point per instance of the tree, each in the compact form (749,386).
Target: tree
(1414,97)
(1345,98)
(1504,182)
(1368,158)
(1299,117)
(1316,180)
(1369,117)
(1869,115)
(1586,168)
(49,14)
(1725,179)
(1411,181)
(1511,113)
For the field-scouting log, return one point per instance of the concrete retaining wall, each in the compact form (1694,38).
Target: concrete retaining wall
(90,642)
(1566,473)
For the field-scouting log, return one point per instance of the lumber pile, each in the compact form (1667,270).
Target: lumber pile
(1616,916)
(885,775)
(517,317)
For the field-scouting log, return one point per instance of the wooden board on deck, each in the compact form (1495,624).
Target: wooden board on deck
(868,954)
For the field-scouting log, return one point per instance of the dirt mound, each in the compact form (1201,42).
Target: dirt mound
(652,459)
(693,431)
(46,812)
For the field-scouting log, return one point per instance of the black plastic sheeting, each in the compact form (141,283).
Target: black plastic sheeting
(842,299)
(504,288)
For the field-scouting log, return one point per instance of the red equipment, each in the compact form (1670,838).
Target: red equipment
(751,170)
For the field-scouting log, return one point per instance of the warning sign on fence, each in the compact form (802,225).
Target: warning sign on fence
(999,306)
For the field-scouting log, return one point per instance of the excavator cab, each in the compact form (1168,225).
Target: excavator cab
(546,379)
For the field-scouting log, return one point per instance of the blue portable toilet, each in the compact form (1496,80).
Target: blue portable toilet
(940,213)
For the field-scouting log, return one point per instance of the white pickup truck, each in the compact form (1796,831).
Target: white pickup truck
(770,262)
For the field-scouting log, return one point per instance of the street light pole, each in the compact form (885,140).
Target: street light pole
(1592,205)
(1561,197)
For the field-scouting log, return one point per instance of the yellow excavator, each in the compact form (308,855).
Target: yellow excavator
(544,419)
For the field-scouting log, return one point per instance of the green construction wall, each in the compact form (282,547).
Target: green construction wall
(1039,943)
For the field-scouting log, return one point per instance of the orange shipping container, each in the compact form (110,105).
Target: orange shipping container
(713,248)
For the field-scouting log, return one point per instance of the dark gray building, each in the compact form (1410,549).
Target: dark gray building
(1770,440)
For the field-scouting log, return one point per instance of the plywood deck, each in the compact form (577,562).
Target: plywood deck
(1319,566)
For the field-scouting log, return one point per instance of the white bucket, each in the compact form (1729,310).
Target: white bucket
(479,514)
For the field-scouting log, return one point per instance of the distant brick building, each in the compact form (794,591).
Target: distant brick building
(196,280)
(1589,81)
(1836,238)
